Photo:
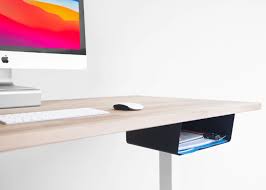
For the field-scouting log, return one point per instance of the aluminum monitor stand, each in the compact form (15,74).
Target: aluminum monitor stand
(12,96)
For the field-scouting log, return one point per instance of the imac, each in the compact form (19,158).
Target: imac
(38,34)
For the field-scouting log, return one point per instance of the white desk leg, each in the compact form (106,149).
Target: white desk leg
(165,171)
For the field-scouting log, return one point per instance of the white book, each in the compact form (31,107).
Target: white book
(187,136)
(195,143)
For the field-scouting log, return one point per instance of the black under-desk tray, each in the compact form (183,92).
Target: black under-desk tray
(167,138)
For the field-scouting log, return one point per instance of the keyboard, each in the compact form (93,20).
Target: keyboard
(49,115)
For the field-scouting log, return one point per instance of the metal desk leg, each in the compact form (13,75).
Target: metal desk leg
(165,166)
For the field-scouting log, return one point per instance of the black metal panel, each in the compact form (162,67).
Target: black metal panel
(164,138)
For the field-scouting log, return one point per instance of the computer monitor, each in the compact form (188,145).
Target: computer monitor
(40,34)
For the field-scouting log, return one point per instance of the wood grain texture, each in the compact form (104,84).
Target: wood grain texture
(158,112)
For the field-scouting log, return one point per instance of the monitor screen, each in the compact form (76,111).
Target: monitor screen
(48,26)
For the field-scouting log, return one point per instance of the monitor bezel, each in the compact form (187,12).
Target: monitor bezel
(82,50)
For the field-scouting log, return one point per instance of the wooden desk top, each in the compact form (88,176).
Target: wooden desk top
(157,112)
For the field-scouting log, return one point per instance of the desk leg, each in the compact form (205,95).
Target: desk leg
(165,166)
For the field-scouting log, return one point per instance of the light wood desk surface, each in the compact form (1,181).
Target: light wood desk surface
(157,112)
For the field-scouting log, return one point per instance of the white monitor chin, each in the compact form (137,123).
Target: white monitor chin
(29,60)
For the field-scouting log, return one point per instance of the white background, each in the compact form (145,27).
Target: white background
(194,48)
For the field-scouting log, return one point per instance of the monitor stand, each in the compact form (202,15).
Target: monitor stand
(12,96)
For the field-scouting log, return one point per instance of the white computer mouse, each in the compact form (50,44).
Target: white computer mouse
(128,106)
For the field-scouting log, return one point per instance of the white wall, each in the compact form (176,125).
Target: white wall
(199,49)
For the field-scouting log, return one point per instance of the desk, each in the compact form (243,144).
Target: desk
(158,112)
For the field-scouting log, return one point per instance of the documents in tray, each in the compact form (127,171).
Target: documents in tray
(191,142)
(187,136)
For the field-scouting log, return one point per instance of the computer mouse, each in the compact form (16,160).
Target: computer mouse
(128,106)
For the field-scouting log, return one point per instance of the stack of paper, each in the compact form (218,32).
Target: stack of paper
(187,136)
(191,142)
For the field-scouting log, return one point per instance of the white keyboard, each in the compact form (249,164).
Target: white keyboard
(49,115)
